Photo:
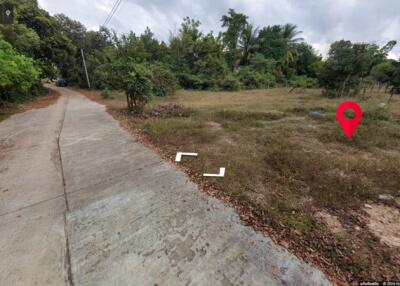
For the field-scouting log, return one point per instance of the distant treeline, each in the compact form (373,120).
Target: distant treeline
(241,56)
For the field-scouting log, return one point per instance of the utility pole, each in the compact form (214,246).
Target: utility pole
(84,65)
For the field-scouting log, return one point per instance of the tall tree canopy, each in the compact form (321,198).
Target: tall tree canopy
(242,55)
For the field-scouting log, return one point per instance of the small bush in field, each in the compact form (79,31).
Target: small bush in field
(230,83)
(190,81)
(302,81)
(170,110)
(138,87)
(377,115)
(164,80)
(251,79)
(105,94)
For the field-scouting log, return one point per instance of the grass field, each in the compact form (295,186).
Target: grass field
(299,173)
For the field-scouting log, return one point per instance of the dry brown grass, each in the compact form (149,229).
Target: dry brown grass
(289,167)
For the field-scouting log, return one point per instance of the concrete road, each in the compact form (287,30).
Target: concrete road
(130,218)
(32,204)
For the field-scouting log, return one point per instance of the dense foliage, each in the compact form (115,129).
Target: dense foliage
(241,56)
(18,75)
(348,67)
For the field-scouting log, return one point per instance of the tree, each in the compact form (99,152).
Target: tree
(157,51)
(248,43)
(306,60)
(383,72)
(55,50)
(271,44)
(137,85)
(164,81)
(197,59)
(23,39)
(347,66)
(75,30)
(393,81)
(281,44)
(18,75)
(235,24)
(289,35)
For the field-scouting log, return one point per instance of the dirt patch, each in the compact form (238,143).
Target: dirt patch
(384,222)
(331,221)
(214,125)
(38,102)
(41,102)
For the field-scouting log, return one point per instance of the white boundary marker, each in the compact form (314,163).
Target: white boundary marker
(221,173)
(179,155)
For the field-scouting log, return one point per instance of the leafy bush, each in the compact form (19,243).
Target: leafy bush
(100,77)
(105,93)
(138,87)
(302,81)
(269,80)
(261,64)
(18,75)
(230,83)
(191,81)
(251,79)
(379,114)
(164,81)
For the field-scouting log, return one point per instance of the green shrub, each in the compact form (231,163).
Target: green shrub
(102,77)
(230,83)
(19,78)
(379,114)
(138,87)
(191,81)
(269,80)
(302,81)
(251,79)
(164,81)
(105,93)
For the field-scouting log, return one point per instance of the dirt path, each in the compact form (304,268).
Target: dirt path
(131,218)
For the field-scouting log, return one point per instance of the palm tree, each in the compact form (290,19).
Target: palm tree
(289,35)
(248,42)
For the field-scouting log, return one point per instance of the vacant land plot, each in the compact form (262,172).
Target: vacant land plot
(290,169)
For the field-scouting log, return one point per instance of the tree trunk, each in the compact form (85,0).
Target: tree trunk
(128,102)
(391,96)
(344,85)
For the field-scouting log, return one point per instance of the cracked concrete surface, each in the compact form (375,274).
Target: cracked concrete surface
(32,206)
(133,219)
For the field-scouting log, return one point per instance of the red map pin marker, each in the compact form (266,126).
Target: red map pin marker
(349,126)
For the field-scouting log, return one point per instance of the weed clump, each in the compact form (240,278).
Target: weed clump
(105,94)
(233,115)
(170,110)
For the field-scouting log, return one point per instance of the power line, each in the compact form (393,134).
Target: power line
(108,16)
(112,12)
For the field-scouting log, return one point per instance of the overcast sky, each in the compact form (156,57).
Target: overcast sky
(322,21)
